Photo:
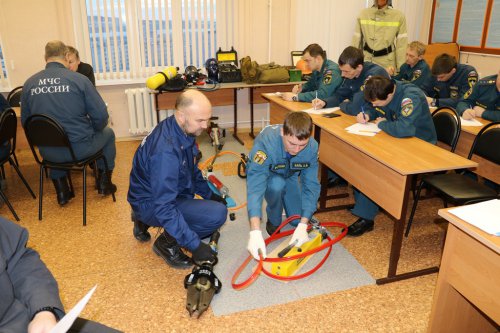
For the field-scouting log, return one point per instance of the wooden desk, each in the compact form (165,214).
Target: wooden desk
(467,296)
(21,141)
(374,163)
(226,95)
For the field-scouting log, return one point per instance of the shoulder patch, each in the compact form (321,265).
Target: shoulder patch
(362,88)
(406,107)
(328,71)
(416,74)
(260,157)
(327,79)
(472,78)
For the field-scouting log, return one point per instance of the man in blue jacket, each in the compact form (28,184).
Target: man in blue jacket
(355,71)
(415,70)
(451,81)
(164,180)
(283,170)
(72,100)
(29,294)
(400,110)
(325,78)
(483,100)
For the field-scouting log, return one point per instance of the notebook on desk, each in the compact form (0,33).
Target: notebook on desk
(483,215)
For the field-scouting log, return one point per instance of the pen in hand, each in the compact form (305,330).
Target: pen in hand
(363,112)
(314,104)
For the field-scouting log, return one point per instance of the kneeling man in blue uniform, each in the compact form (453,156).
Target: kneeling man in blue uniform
(400,110)
(283,169)
(164,180)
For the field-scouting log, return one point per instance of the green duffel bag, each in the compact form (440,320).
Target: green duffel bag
(272,73)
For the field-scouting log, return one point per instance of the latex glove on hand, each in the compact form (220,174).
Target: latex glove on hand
(256,243)
(300,235)
(203,253)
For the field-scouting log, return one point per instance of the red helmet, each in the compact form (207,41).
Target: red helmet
(302,65)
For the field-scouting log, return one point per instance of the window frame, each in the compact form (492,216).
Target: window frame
(482,49)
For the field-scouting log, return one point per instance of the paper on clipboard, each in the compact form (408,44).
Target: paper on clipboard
(65,323)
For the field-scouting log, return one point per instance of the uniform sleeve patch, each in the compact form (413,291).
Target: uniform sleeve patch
(364,83)
(472,78)
(416,74)
(328,72)
(406,107)
(327,79)
(260,157)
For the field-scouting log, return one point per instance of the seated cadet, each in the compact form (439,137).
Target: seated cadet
(349,96)
(483,100)
(75,104)
(415,70)
(164,180)
(80,67)
(30,296)
(450,82)
(324,80)
(401,110)
(283,170)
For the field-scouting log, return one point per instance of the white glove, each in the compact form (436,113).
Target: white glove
(256,243)
(300,235)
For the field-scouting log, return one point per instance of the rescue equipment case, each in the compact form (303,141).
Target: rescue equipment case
(228,66)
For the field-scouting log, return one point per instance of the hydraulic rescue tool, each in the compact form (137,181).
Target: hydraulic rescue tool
(202,284)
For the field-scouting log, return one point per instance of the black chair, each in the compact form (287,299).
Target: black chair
(447,123)
(44,131)
(8,128)
(460,189)
(14,97)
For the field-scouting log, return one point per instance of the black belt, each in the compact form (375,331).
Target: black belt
(378,53)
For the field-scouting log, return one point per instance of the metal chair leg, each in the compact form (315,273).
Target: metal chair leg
(7,202)
(413,209)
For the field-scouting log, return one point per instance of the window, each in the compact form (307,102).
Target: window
(136,38)
(474,24)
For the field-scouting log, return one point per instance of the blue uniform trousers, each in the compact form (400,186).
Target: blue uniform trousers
(202,216)
(283,193)
(364,207)
(104,140)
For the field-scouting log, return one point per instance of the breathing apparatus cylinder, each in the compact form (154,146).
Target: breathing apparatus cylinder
(153,82)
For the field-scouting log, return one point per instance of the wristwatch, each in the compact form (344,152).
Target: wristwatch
(47,308)
(295,99)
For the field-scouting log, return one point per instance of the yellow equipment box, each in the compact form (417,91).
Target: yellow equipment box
(290,267)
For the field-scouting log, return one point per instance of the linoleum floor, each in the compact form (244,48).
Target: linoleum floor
(138,292)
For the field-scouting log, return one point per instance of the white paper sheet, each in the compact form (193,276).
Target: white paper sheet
(484,215)
(321,111)
(65,323)
(471,122)
(368,129)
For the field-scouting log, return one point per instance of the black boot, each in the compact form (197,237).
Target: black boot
(166,247)
(63,191)
(104,184)
(140,229)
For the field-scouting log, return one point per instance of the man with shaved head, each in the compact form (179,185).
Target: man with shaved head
(164,180)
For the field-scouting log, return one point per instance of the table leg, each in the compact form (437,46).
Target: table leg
(235,128)
(252,135)
(397,242)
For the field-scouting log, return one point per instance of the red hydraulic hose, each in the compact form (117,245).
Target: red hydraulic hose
(275,236)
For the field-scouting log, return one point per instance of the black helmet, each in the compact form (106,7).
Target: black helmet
(212,70)
(191,74)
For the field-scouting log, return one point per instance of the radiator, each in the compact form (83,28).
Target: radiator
(141,111)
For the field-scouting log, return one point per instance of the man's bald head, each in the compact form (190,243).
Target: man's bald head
(193,111)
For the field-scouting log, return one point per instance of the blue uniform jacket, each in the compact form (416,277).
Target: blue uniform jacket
(268,157)
(325,82)
(420,75)
(450,92)
(352,89)
(26,285)
(484,94)
(68,97)
(164,169)
(407,114)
